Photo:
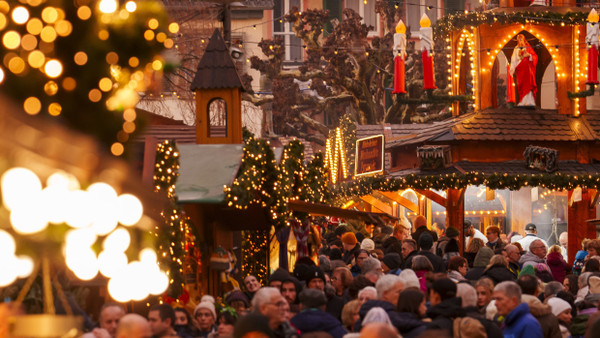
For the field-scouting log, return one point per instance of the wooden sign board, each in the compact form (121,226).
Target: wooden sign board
(369,155)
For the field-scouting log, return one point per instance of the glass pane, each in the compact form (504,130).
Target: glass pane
(217,111)
(278,12)
(370,16)
(296,49)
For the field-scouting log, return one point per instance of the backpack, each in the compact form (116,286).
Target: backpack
(468,327)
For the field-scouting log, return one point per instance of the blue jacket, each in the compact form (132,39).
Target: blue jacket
(520,324)
(313,320)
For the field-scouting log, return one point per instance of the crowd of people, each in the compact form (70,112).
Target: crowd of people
(405,281)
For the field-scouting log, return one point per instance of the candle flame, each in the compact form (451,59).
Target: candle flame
(593,16)
(400,27)
(425,22)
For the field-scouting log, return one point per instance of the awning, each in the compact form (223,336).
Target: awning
(317,209)
(204,169)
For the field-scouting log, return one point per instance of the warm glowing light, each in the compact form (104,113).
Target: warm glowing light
(593,16)
(129,209)
(11,39)
(153,23)
(400,27)
(425,22)
(117,149)
(105,84)
(20,15)
(108,6)
(32,105)
(18,186)
(53,68)
(81,58)
(84,12)
(131,6)
(173,28)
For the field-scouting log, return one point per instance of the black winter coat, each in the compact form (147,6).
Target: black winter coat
(443,314)
(316,320)
(499,274)
(409,325)
(475,273)
(386,306)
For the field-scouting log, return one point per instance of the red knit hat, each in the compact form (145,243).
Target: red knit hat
(349,238)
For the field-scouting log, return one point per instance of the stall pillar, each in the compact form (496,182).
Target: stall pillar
(455,211)
(579,213)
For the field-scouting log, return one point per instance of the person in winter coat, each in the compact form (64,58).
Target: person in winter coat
(411,309)
(391,263)
(562,310)
(485,289)
(541,312)
(558,267)
(579,261)
(425,243)
(457,268)
(389,308)
(312,316)
(482,259)
(445,306)
(536,254)
(518,322)
(498,270)
(421,266)
(351,247)
(451,233)
(472,249)
(542,271)
(451,250)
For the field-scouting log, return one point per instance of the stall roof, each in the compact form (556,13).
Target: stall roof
(204,169)
(326,210)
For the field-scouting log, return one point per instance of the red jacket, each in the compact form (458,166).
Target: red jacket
(558,266)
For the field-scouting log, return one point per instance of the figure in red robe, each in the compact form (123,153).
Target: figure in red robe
(522,69)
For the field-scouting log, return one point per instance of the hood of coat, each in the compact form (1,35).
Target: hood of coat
(536,308)
(554,258)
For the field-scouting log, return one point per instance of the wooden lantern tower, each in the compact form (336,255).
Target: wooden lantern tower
(218,88)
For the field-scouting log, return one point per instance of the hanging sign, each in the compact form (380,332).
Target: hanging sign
(369,155)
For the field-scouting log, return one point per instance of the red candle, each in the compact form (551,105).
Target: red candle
(428,78)
(592,76)
(399,75)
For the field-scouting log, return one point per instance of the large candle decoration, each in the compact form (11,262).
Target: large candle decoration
(591,39)
(399,55)
(427,52)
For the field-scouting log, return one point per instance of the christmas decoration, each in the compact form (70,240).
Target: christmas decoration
(591,39)
(255,246)
(426,35)
(335,157)
(399,56)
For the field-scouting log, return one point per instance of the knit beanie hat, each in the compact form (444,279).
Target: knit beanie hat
(452,246)
(527,270)
(208,306)
(426,241)
(594,283)
(367,244)
(237,295)
(392,260)
(279,275)
(483,257)
(558,305)
(452,232)
(312,273)
(349,238)
(312,298)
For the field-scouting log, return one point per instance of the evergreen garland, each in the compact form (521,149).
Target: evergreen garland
(316,185)
(255,246)
(292,170)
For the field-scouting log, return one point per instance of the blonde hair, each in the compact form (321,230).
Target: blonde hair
(498,260)
(348,312)
(474,245)
(554,248)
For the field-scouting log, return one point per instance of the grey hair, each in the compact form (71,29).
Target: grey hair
(263,296)
(385,283)
(410,279)
(510,289)
(370,264)
(367,289)
(420,262)
(552,288)
(467,294)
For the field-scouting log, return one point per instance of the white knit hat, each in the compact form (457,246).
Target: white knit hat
(206,305)
(367,244)
(558,305)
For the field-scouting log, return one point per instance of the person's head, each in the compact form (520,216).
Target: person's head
(269,302)
(341,278)
(182,317)
(498,260)
(538,248)
(349,241)
(367,293)
(390,261)
(133,325)
(513,254)
(452,233)
(474,245)
(377,329)
(529,284)
(315,278)
(571,285)
(420,221)
(367,244)
(226,323)
(441,290)
(388,288)
(485,289)
(592,265)
(467,294)
(238,301)
(110,314)
(289,290)
(593,247)
(312,299)
(507,296)
(408,245)
(420,263)
(412,301)
(483,256)
(253,325)
(552,288)
(458,263)
(350,314)
(251,283)
(425,241)
(468,228)
(371,268)
(161,318)
(277,277)
(402,229)
(563,239)
(360,257)
(531,229)
(410,279)
(492,233)
(358,283)
(561,309)
(205,315)
(521,42)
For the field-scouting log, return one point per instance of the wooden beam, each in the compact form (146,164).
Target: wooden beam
(405,202)
(594,194)
(377,204)
(433,196)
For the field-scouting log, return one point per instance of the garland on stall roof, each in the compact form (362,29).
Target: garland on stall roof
(556,181)
(316,186)
(456,22)
(255,246)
